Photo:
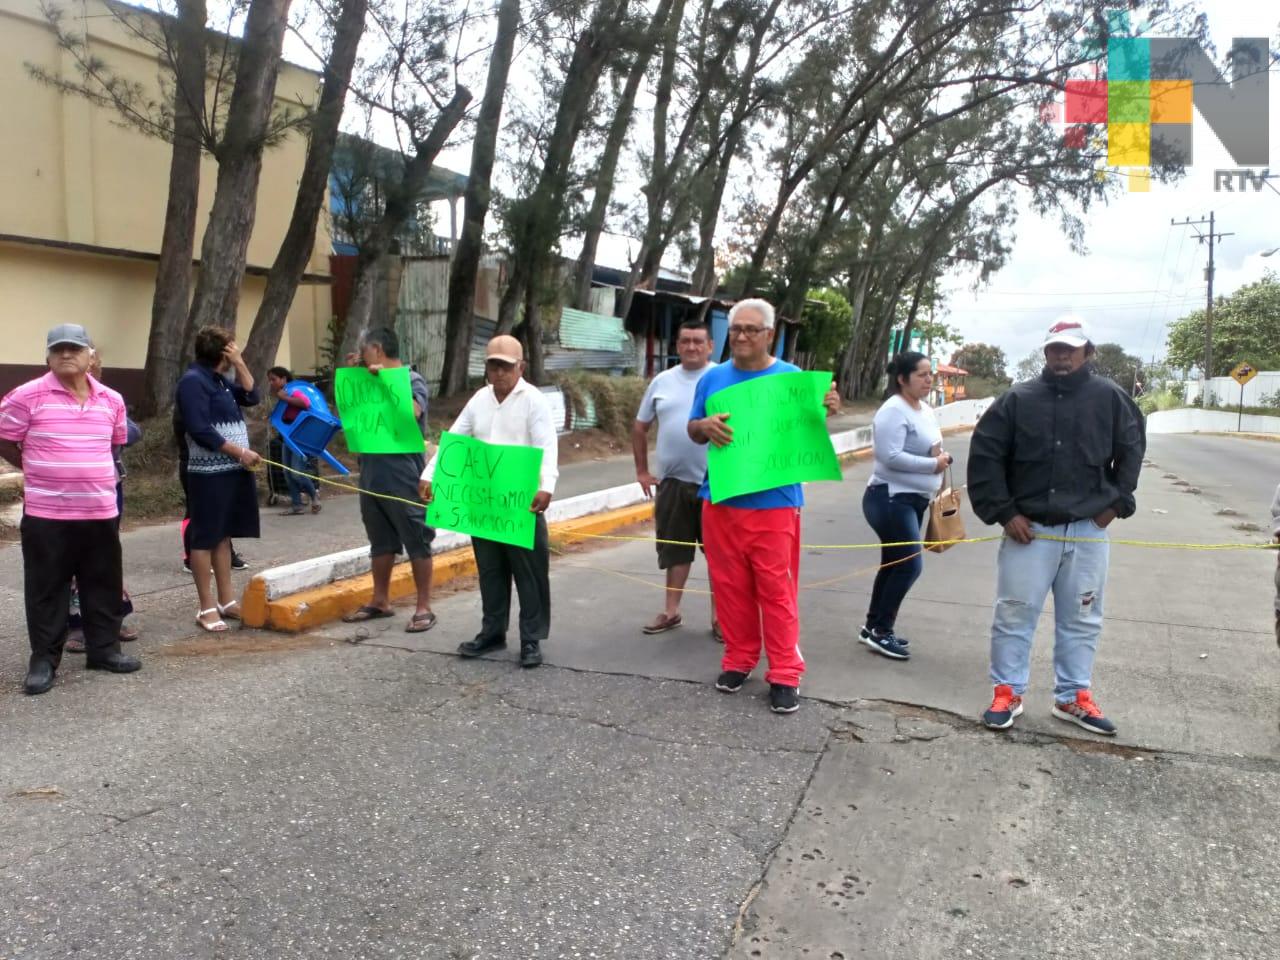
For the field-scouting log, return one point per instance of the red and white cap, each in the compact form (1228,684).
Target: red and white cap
(1069,331)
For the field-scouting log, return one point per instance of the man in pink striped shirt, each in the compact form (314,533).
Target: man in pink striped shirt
(59,430)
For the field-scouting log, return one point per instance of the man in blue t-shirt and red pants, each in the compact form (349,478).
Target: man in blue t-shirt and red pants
(753,541)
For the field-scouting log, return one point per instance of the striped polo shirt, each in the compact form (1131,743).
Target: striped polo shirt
(67,467)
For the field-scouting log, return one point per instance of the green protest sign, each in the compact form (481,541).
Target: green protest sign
(485,489)
(779,435)
(377,410)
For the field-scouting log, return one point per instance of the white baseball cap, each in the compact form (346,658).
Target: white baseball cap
(1068,331)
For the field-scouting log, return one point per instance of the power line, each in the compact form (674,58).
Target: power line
(1071,293)
(1210,238)
(1146,327)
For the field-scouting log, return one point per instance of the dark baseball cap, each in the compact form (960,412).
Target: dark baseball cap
(71,333)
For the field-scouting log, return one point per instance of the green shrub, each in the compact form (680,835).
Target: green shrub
(616,399)
(1157,400)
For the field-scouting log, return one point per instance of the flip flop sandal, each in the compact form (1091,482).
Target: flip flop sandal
(367,612)
(421,622)
(231,611)
(662,624)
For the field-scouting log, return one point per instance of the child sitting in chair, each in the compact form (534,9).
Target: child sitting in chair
(299,483)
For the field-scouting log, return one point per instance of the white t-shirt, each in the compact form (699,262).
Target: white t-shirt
(903,437)
(668,400)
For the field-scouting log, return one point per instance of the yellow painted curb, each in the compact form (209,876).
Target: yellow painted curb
(253,603)
(320,605)
(565,530)
(333,601)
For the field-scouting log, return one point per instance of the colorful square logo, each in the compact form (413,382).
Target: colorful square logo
(1151,90)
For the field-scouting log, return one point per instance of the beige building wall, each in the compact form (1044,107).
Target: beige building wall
(83,215)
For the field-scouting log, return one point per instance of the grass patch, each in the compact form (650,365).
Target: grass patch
(616,399)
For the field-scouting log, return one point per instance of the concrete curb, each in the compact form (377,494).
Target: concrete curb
(298,611)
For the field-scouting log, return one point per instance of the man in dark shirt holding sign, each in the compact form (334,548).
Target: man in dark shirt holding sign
(753,539)
(391,524)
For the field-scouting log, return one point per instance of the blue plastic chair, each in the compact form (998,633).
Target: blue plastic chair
(311,430)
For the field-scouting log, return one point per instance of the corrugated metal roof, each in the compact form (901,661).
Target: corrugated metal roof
(556,400)
(580,330)
(420,317)
(618,357)
(587,360)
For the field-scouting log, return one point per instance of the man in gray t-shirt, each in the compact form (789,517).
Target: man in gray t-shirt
(391,524)
(682,465)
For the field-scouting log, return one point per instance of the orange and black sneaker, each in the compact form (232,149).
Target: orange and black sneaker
(1083,712)
(1005,707)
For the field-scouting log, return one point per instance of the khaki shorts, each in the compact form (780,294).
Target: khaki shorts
(677,515)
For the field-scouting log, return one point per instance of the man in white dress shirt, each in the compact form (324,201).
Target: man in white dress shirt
(510,411)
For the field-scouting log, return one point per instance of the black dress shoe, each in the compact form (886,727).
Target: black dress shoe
(39,677)
(479,645)
(530,655)
(115,662)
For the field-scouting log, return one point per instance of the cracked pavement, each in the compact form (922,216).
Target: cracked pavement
(368,795)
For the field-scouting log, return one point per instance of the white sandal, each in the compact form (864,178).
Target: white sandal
(228,612)
(218,626)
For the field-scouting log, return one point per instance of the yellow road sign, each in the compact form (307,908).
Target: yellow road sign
(1243,373)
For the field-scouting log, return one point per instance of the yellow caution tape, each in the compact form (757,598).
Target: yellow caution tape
(1151,544)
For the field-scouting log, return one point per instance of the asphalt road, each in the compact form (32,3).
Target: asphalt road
(1240,473)
(362,793)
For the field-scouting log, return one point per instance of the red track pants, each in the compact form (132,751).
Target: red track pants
(754,560)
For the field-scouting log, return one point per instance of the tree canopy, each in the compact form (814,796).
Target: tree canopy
(982,360)
(1246,327)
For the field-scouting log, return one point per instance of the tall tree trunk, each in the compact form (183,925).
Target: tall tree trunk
(538,216)
(847,375)
(530,333)
(664,169)
(400,205)
(299,240)
(163,364)
(226,237)
(459,321)
(704,280)
(728,145)
(608,168)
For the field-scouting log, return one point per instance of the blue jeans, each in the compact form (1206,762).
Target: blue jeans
(894,519)
(1077,574)
(298,484)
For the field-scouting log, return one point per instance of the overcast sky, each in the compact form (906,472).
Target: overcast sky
(1139,273)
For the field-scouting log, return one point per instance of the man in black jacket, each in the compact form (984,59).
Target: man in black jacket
(1054,461)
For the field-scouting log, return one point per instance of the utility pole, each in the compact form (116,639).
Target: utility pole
(1211,238)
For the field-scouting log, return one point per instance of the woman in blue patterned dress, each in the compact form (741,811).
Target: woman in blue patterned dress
(222,489)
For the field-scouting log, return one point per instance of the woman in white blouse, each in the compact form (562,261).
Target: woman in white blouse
(909,461)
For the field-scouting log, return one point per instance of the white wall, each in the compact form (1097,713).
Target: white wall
(1227,391)
(1208,421)
(962,413)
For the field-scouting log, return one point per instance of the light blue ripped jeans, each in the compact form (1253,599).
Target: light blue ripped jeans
(1077,575)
